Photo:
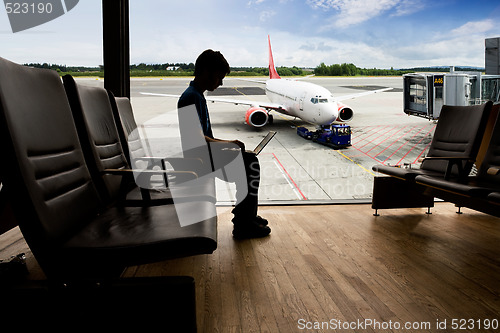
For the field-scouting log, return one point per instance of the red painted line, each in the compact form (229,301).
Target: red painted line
(416,145)
(383,162)
(404,144)
(290,177)
(367,134)
(414,135)
(390,136)
(402,128)
(365,154)
(375,131)
(422,152)
(376,137)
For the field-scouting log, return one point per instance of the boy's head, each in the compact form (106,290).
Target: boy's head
(210,68)
(211,61)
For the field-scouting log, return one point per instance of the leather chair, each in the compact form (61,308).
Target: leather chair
(221,160)
(494,198)
(72,231)
(454,146)
(482,185)
(105,153)
(136,153)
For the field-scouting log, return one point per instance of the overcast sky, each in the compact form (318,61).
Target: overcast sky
(368,33)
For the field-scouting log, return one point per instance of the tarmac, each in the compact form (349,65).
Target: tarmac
(293,169)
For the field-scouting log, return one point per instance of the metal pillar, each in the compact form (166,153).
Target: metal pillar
(116,46)
(492,56)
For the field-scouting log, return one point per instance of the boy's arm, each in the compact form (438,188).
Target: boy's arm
(236,142)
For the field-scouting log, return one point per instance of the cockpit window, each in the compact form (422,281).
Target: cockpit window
(314,100)
(323,100)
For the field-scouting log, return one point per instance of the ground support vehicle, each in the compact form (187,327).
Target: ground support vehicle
(334,136)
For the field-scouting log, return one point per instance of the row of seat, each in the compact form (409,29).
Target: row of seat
(465,136)
(66,169)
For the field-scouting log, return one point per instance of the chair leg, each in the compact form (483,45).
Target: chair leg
(458,211)
(376,212)
(428,212)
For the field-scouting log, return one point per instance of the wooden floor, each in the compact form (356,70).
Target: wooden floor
(339,268)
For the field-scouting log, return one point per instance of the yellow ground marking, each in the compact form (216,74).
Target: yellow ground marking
(359,165)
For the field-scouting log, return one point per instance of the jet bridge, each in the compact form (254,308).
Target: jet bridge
(425,93)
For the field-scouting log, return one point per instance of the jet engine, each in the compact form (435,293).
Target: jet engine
(257,117)
(345,113)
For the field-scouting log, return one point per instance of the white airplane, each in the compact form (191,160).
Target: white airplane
(307,101)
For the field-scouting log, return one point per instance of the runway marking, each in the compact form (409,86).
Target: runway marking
(418,157)
(387,138)
(373,130)
(289,179)
(359,165)
(370,129)
(423,150)
(367,155)
(384,138)
(405,133)
(404,144)
(377,136)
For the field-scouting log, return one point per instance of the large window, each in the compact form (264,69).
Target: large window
(293,168)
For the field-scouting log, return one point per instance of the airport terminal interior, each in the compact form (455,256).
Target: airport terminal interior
(340,257)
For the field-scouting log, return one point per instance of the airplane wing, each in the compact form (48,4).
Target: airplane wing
(247,79)
(346,97)
(262,104)
(302,77)
(264,82)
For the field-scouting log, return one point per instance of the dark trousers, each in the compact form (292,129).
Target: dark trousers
(248,198)
(246,192)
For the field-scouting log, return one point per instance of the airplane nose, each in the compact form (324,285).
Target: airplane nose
(328,114)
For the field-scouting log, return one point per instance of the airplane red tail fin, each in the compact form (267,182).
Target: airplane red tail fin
(273,74)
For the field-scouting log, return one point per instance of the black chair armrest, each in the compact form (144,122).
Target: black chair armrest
(124,172)
(177,163)
(452,160)
(128,174)
(181,176)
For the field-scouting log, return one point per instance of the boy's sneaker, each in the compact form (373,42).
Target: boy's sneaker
(250,229)
(260,220)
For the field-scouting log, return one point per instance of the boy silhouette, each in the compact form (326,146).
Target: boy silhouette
(210,69)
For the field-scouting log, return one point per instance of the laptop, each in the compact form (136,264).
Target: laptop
(264,142)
